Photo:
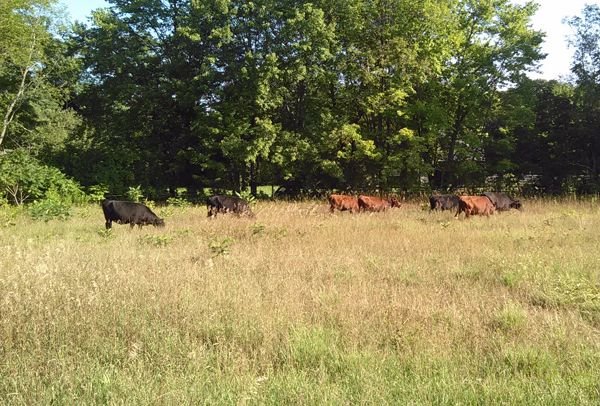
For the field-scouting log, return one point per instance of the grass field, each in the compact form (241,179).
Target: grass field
(298,306)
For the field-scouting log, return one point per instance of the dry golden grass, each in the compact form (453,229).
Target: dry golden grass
(300,306)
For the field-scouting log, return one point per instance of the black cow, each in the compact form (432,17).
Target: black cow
(227,204)
(443,202)
(502,201)
(131,213)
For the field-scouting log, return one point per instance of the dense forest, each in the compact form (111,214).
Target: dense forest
(160,96)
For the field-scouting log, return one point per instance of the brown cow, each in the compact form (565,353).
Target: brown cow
(475,205)
(372,203)
(343,202)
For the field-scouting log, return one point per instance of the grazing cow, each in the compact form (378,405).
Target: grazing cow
(227,204)
(131,213)
(373,203)
(343,202)
(502,202)
(475,205)
(443,202)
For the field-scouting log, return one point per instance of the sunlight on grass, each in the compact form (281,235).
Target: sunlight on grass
(300,306)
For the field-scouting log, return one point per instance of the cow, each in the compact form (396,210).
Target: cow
(373,203)
(342,203)
(227,204)
(475,205)
(123,212)
(502,202)
(443,202)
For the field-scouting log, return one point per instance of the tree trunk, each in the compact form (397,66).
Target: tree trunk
(12,107)
(253,176)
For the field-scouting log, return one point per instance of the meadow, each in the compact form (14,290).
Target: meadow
(298,306)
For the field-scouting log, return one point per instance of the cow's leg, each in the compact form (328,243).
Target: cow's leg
(108,224)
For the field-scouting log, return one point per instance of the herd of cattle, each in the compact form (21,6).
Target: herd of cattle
(485,204)
(123,212)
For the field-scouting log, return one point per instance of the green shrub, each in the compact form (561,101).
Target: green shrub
(247,196)
(96,193)
(51,207)
(24,179)
(220,246)
(179,200)
(135,193)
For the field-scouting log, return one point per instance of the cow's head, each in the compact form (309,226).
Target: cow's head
(516,204)
(394,202)
(158,222)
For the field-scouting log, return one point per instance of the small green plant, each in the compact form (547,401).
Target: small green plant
(8,215)
(257,228)
(511,317)
(106,233)
(156,240)
(179,200)
(135,193)
(510,279)
(96,193)
(51,207)
(247,196)
(220,247)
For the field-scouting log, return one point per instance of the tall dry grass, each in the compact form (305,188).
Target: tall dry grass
(300,306)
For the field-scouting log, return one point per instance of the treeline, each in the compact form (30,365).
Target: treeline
(403,95)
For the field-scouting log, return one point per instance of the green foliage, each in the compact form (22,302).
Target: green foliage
(247,196)
(135,194)
(180,199)
(257,228)
(220,246)
(106,233)
(96,193)
(8,213)
(314,350)
(511,318)
(321,95)
(52,206)
(36,77)
(155,240)
(23,178)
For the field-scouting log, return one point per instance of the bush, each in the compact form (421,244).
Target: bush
(96,193)
(180,199)
(23,179)
(51,207)
(135,193)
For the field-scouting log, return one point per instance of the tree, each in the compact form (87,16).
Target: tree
(586,68)
(492,47)
(35,78)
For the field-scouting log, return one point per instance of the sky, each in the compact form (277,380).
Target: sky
(548,19)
